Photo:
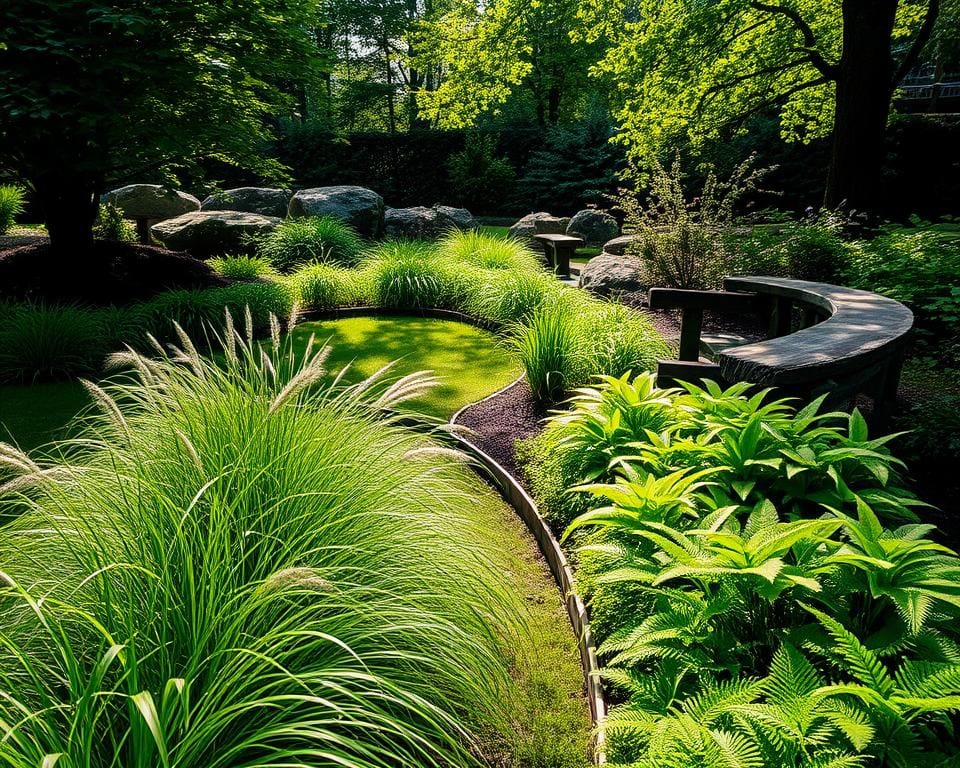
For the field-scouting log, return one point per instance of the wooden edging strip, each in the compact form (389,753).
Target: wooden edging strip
(525,507)
(560,568)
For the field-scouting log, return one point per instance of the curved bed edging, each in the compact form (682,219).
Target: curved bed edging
(514,494)
(560,568)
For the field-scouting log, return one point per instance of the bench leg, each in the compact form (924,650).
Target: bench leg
(691,323)
(562,261)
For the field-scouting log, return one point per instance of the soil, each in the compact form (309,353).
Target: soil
(499,421)
(112,273)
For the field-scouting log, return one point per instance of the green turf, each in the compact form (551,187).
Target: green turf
(551,719)
(470,362)
(34,415)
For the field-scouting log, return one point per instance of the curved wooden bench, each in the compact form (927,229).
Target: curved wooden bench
(850,341)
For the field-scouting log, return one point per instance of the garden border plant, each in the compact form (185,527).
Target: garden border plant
(763,590)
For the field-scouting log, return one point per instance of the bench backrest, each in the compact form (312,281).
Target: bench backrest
(861,332)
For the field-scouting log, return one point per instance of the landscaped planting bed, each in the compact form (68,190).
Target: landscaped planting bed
(238,559)
(761,584)
(189,432)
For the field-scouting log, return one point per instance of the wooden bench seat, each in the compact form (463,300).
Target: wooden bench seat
(850,341)
(559,250)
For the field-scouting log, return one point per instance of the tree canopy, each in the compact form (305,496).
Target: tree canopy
(91,91)
(691,71)
(491,51)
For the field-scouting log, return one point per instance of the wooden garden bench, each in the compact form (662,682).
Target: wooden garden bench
(559,250)
(849,341)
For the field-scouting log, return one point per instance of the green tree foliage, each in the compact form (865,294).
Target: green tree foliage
(490,51)
(577,165)
(91,91)
(695,71)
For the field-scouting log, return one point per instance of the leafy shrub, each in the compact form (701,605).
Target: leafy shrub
(11,205)
(111,225)
(753,600)
(478,176)
(802,250)
(680,241)
(245,564)
(242,267)
(412,275)
(922,270)
(300,241)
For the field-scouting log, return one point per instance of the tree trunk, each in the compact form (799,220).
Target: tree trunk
(864,91)
(69,209)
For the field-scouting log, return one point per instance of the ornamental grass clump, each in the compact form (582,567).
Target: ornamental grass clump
(247,563)
(11,205)
(413,275)
(325,286)
(318,238)
(42,342)
(488,251)
(242,267)
(570,338)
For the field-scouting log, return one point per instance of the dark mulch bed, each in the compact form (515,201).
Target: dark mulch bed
(499,421)
(112,273)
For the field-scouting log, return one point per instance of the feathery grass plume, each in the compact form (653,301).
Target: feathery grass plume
(257,570)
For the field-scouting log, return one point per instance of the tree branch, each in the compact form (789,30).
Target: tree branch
(747,114)
(816,58)
(919,43)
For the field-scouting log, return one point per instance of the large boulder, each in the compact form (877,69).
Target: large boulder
(416,222)
(449,217)
(595,227)
(526,228)
(150,201)
(610,274)
(262,200)
(618,245)
(422,222)
(360,207)
(213,233)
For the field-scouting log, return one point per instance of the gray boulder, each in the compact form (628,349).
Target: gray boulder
(610,274)
(526,228)
(416,222)
(262,200)
(360,207)
(213,233)
(422,222)
(449,217)
(595,227)
(618,245)
(150,201)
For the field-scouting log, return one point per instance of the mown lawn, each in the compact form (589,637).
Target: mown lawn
(470,363)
